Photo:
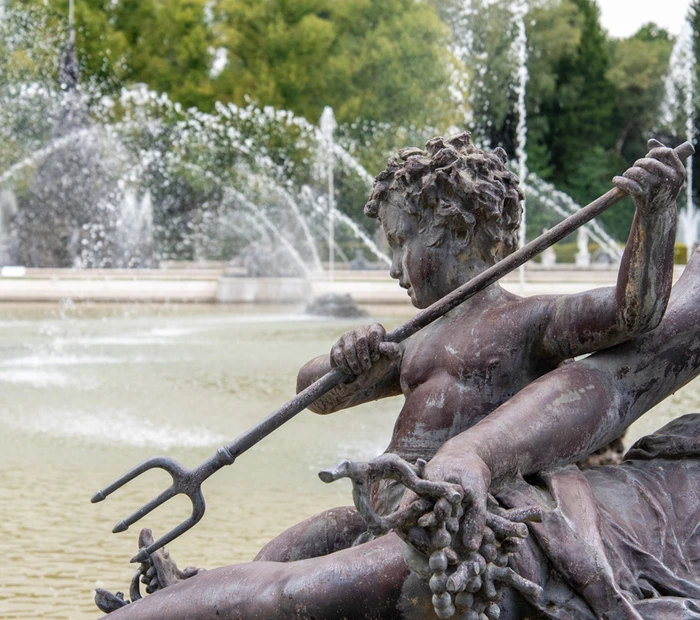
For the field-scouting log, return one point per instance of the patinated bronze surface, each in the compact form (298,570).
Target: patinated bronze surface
(449,213)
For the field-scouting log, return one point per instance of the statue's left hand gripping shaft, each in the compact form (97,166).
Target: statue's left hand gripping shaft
(437,527)
(643,285)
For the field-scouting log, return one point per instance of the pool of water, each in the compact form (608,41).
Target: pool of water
(88,391)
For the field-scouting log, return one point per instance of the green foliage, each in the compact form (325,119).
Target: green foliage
(680,254)
(554,30)
(377,61)
(637,69)
(484,32)
(581,111)
(369,59)
(396,72)
(592,102)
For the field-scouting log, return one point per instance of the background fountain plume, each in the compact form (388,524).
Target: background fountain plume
(108,177)
(678,120)
(132,179)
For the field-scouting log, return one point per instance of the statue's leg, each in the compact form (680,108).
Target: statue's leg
(325,533)
(367,582)
(362,583)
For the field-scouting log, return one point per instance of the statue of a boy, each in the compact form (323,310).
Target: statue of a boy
(448,212)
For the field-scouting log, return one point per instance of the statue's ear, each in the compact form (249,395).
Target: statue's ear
(501,154)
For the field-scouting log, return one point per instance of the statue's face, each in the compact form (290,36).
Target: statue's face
(422,270)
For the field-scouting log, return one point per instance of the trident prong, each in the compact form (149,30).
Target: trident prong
(185,482)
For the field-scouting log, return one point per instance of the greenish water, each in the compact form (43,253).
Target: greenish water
(88,391)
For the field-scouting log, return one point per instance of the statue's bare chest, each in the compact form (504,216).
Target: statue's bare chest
(483,353)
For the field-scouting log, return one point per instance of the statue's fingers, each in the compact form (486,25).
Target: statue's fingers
(350,351)
(668,157)
(628,186)
(489,590)
(503,528)
(148,575)
(639,175)
(362,349)
(653,143)
(508,576)
(375,336)
(191,571)
(338,357)
(390,350)
(527,513)
(473,524)
(655,167)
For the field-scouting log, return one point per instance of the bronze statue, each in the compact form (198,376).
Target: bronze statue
(449,213)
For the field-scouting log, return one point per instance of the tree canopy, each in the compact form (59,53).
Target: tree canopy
(395,72)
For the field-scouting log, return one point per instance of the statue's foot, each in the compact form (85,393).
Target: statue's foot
(157,572)
(108,602)
(160,570)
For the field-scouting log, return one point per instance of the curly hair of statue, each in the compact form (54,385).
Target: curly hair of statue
(454,185)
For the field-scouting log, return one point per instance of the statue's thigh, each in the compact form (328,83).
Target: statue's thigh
(324,533)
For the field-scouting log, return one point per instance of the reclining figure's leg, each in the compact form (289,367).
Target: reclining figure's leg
(324,533)
(367,582)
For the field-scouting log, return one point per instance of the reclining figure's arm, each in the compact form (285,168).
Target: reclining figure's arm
(578,408)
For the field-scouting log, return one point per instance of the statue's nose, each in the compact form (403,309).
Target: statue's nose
(395,270)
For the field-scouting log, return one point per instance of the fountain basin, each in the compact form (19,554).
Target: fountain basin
(236,289)
(219,284)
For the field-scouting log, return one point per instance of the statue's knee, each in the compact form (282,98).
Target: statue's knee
(320,535)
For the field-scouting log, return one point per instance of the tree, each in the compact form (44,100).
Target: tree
(582,112)
(637,69)
(371,60)
(554,30)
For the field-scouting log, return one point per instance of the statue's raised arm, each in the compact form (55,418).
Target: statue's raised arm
(601,318)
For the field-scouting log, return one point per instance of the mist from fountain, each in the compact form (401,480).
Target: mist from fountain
(467,47)
(562,204)
(8,211)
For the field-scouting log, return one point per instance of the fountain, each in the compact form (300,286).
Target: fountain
(470,47)
(678,117)
(8,243)
(520,47)
(134,180)
(182,185)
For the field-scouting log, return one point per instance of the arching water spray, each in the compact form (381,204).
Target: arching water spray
(678,115)
(328,127)
(520,47)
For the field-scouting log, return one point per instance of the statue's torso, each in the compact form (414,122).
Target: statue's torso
(458,370)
